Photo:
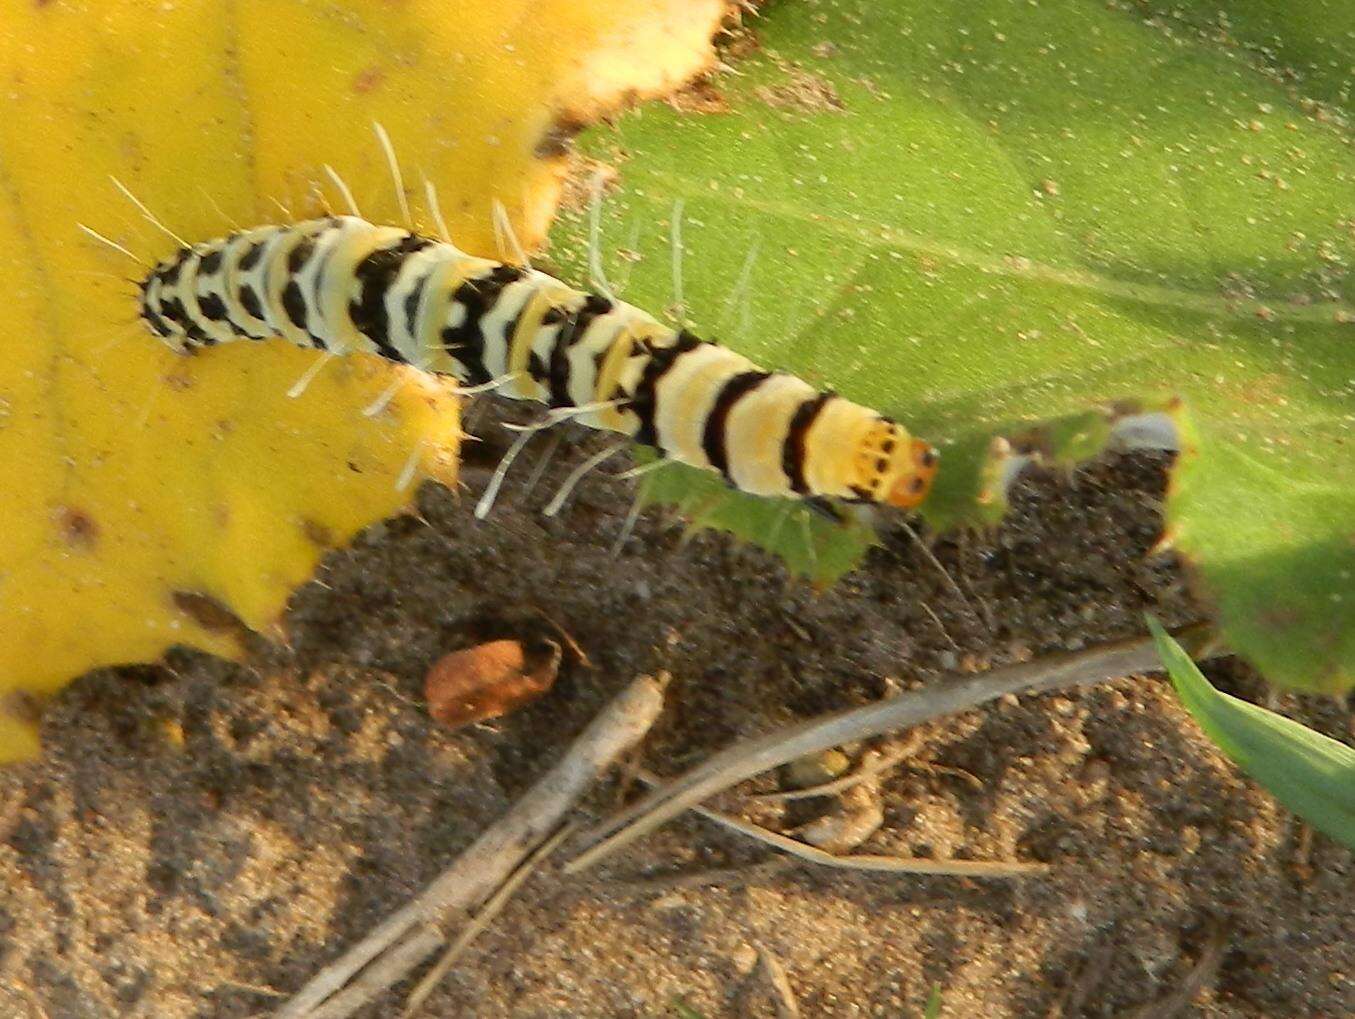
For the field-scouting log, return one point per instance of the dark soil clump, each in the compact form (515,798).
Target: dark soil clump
(200,837)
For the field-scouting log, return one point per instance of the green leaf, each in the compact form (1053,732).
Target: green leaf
(1029,232)
(684,1011)
(933,1010)
(1311,774)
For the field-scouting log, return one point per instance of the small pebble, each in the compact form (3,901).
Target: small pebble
(815,769)
(744,959)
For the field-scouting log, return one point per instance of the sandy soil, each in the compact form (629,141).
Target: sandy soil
(201,837)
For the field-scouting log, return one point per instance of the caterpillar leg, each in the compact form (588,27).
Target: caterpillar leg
(675,241)
(216,207)
(808,533)
(485,387)
(596,277)
(539,469)
(411,467)
(632,243)
(146,213)
(110,243)
(827,509)
(627,526)
(511,251)
(303,383)
(397,178)
(775,530)
(643,469)
(738,296)
(430,193)
(557,414)
(344,190)
(491,492)
(525,434)
(286,210)
(577,474)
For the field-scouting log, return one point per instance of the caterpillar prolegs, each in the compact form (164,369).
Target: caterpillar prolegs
(342,284)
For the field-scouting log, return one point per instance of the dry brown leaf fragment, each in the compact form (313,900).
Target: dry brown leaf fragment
(490,680)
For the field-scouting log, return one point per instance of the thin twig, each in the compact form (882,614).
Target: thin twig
(492,908)
(940,625)
(709,876)
(259,989)
(951,582)
(883,762)
(1201,973)
(387,969)
(859,861)
(408,936)
(961,693)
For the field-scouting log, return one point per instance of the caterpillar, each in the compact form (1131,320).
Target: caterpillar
(341,284)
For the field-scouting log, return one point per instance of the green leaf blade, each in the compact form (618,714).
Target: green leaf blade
(1311,774)
(1021,230)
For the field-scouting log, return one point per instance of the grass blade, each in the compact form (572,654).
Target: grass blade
(1311,774)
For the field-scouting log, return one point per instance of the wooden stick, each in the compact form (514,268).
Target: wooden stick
(960,693)
(883,761)
(492,908)
(410,934)
(861,861)
(782,993)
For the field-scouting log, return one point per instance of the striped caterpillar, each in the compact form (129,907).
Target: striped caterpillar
(342,284)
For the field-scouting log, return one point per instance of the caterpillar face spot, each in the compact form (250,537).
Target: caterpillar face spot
(915,481)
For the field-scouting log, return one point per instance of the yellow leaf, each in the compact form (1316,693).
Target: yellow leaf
(136,482)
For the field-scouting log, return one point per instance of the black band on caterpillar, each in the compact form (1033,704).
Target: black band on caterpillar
(343,284)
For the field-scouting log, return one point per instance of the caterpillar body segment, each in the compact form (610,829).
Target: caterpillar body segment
(342,284)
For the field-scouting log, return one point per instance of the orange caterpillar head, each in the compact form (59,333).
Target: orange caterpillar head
(892,467)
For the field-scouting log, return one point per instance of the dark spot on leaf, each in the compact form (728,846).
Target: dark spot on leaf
(559,137)
(802,92)
(1280,617)
(701,96)
(368,80)
(317,533)
(206,611)
(78,528)
(23,706)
